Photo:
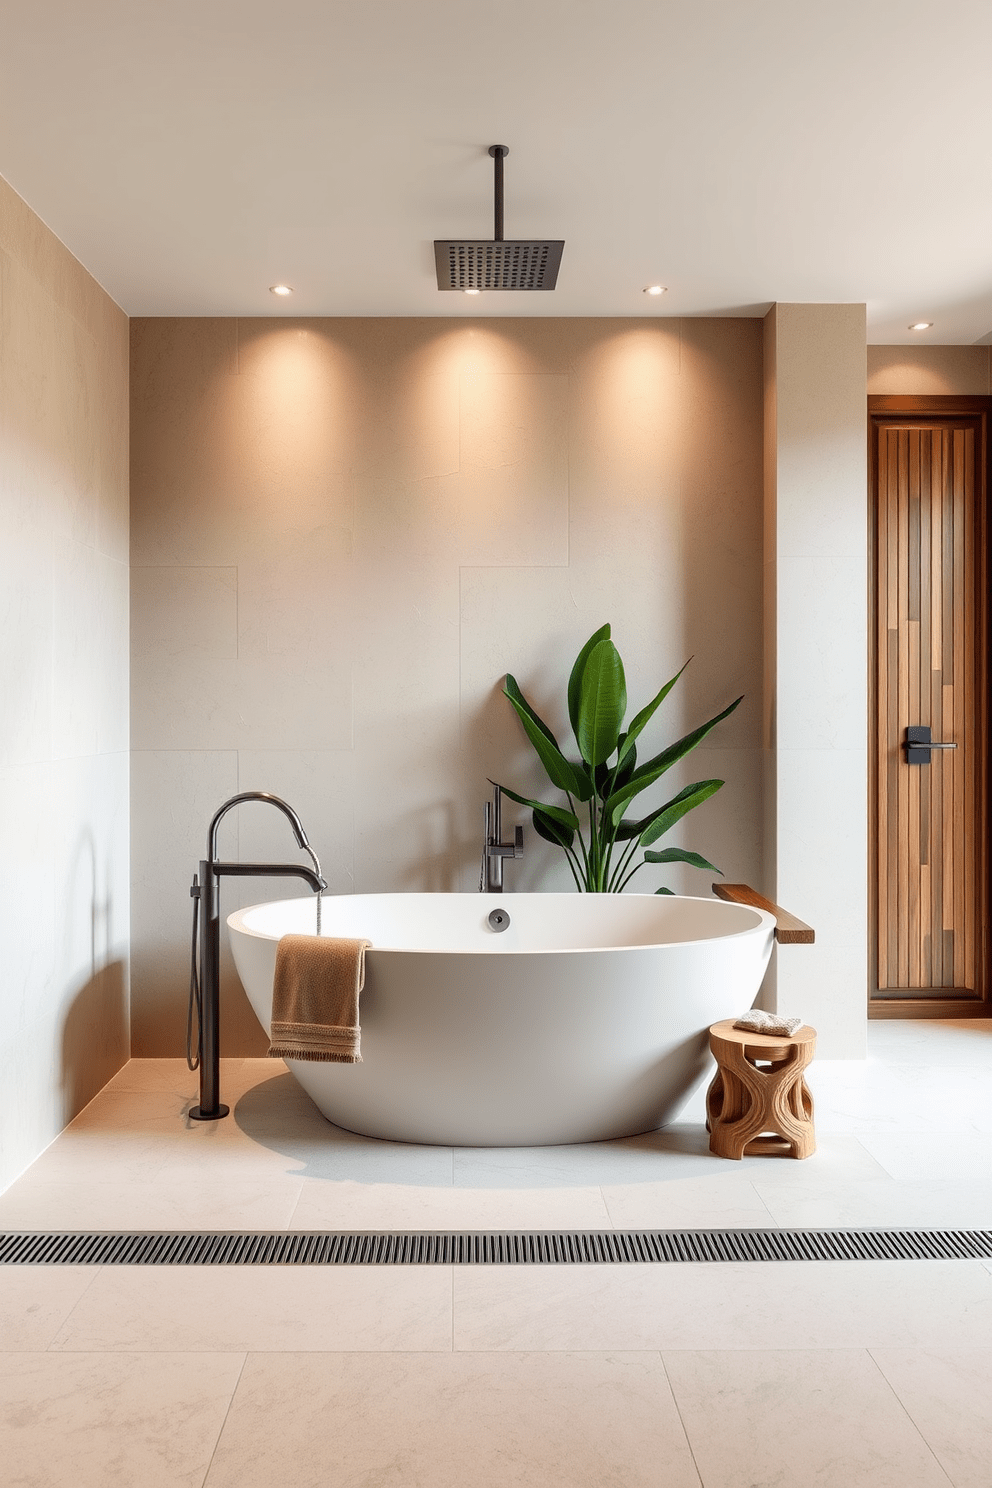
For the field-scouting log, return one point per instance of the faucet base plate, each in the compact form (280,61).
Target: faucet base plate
(198,1114)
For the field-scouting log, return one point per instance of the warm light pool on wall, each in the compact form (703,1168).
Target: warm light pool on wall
(280,289)
(921,325)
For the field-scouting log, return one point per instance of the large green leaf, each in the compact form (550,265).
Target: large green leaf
(602,703)
(653,769)
(552,831)
(681,747)
(556,813)
(644,717)
(626,829)
(629,828)
(676,808)
(561,772)
(511,690)
(575,679)
(626,762)
(681,855)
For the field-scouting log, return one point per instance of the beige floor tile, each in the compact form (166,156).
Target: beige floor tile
(675,1152)
(797,1419)
(386,1206)
(818,1304)
(125,1156)
(188,1201)
(720,1202)
(881,1203)
(840,1157)
(277,1115)
(126,1112)
(260,1308)
(872,1096)
(36,1300)
(930,1156)
(447,1421)
(100,1421)
(948,1393)
(952,1043)
(145,1075)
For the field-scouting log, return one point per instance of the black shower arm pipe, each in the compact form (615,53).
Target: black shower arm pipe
(499,154)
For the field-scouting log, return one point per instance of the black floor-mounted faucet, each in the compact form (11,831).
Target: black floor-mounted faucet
(206,891)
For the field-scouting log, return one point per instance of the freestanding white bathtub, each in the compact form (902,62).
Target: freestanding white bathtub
(584,1019)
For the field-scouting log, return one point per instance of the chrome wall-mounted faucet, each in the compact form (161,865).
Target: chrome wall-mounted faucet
(494,850)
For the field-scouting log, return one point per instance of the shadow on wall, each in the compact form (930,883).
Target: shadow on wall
(94,1037)
(96,1027)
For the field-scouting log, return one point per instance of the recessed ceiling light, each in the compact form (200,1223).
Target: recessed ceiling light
(655,289)
(280,289)
(473,291)
(921,325)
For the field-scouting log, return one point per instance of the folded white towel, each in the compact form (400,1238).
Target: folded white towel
(757,1021)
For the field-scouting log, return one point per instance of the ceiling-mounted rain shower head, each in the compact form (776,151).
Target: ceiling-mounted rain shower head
(477,264)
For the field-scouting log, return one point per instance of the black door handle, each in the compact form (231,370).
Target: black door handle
(918,745)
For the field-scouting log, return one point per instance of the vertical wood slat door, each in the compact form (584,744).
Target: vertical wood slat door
(930,842)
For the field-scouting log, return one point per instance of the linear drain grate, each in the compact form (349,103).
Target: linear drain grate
(486,1248)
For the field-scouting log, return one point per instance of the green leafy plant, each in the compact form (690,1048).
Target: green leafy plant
(607,778)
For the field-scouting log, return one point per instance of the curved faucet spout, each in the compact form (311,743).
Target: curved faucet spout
(284,807)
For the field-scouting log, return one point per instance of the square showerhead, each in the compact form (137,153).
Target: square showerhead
(478,264)
(530,263)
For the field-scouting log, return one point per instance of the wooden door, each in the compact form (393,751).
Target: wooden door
(929,485)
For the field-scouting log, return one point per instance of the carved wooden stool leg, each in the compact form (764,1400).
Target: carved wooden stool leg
(758,1101)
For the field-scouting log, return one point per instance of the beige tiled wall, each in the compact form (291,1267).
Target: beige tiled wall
(924,370)
(345,532)
(63,684)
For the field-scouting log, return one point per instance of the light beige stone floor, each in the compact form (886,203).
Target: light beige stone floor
(837,1374)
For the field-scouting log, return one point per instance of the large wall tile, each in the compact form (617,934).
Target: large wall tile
(89,652)
(174,794)
(922,371)
(320,787)
(26,624)
(64,683)
(513,472)
(412,509)
(178,613)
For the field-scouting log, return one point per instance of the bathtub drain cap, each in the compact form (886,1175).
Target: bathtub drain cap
(498,919)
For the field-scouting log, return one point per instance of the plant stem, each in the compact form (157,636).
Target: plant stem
(582,845)
(630,875)
(624,862)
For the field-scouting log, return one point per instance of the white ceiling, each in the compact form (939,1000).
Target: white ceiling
(193,152)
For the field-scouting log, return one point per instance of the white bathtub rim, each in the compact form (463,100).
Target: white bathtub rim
(764,922)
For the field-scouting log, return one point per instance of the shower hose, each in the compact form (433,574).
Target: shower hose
(193,1060)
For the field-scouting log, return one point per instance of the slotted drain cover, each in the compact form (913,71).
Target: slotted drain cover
(485,1248)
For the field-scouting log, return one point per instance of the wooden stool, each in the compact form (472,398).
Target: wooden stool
(758,1102)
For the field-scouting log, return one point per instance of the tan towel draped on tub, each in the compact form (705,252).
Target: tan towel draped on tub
(315,999)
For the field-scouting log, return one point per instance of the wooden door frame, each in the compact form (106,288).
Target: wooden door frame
(891,408)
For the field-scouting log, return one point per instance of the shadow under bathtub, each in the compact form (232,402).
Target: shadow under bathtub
(279,1115)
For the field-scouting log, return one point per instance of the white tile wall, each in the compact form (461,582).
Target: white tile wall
(64,916)
(816,550)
